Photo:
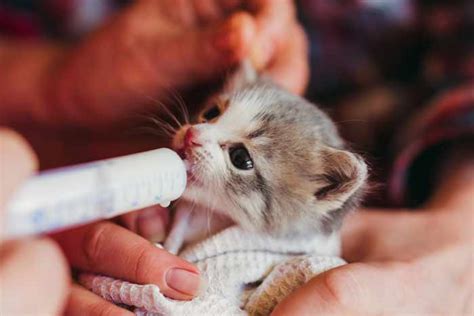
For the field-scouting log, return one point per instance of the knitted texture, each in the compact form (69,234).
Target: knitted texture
(245,273)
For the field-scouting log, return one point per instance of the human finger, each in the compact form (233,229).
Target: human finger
(17,162)
(290,67)
(34,278)
(204,53)
(273,20)
(151,222)
(354,289)
(109,249)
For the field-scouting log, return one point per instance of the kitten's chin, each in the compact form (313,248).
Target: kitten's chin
(193,193)
(198,197)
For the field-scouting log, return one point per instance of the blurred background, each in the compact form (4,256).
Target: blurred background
(376,66)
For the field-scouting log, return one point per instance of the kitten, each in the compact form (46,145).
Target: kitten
(266,160)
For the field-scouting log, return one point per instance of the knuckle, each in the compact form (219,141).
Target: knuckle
(141,270)
(151,265)
(94,242)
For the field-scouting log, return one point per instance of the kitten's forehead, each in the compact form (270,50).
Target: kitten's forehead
(262,108)
(244,108)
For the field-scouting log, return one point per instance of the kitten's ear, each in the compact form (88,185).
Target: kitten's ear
(339,176)
(244,75)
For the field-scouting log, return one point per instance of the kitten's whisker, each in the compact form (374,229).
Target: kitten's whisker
(163,127)
(167,111)
(155,132)
(182,106)
(176,97)
(163,124)
(171,115)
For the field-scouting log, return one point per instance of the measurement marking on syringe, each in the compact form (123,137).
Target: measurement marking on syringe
(79,194)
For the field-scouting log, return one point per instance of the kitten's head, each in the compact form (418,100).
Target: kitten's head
(269,160)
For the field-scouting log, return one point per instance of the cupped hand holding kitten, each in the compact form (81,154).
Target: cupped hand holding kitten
(417,262)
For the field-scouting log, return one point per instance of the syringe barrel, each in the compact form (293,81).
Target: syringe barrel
(70,196)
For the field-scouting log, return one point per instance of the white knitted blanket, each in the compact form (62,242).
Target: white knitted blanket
(246,274)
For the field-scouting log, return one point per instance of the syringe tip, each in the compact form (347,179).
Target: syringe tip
(165,204)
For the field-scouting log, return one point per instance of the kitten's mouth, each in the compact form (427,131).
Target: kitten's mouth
(190,168)
(185,152)
(186,156)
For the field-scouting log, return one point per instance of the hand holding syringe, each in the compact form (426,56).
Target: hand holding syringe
(70,196)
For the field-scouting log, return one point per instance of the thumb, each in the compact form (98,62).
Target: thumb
(353,289)
(17,161)
(205,53)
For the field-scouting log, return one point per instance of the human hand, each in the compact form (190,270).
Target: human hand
(33,273)
(143,57)
(147,52)
(279,47)
(104,248)
(108,249)
(409,262)
(407,268)
(157,46)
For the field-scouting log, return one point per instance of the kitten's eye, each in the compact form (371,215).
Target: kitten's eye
(240,158)
(212,113)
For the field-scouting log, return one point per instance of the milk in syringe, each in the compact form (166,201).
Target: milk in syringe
(69,196)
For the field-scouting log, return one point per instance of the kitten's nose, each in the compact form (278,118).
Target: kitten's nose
(190,138)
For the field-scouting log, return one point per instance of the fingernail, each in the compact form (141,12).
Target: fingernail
(183,281)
